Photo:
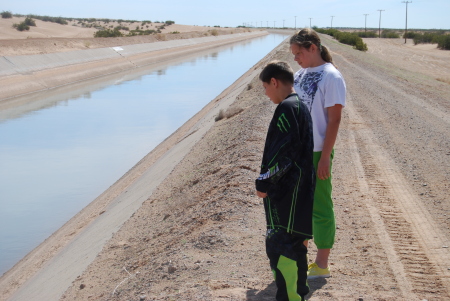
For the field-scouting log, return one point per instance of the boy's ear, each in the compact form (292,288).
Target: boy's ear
(273,81)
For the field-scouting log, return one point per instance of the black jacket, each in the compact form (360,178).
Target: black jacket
(287,170)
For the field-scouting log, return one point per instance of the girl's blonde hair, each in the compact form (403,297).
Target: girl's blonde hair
(306,37)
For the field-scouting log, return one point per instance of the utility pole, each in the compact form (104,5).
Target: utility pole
(283,23)
(295,26)
(310,22)
(365,23)
(406,26)
(267,24)
(379,26)
(332,22)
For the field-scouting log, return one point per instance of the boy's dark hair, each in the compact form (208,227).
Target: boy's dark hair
(279,70)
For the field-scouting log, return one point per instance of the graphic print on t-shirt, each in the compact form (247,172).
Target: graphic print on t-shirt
(308,85)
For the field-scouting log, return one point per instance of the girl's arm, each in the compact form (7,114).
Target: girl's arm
(334,119)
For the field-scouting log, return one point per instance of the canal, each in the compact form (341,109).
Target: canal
(66,146)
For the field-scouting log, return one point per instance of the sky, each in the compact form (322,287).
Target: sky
(422,14)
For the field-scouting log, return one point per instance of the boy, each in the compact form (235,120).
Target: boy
(287,183)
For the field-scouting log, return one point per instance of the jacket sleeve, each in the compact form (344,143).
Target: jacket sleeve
(277,158)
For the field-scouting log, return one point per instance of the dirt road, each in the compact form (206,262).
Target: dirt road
(200,235)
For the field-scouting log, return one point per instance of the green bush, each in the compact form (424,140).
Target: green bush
(6,14)
(410,35)
(330,32)
(21,27)
(30,22)
(349,38)
(107,33)
(444,42)
(433,38)
(139,32)
(389,34)
(360,45)
(169,22)
(120,27)
(366,34)
(59,20)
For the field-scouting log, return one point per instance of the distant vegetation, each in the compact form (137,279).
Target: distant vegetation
(441,38)
(21,26)
(108,33)
(6,14)
(94,23)
(367,34)
(389,34)
(138,31)
(349,38)
(25,25)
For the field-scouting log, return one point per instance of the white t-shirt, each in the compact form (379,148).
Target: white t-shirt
(320,88)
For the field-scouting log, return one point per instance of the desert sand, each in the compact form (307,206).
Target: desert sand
(199,232)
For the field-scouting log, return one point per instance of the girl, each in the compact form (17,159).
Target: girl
(322,88)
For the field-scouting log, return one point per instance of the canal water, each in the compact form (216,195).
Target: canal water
(60,149)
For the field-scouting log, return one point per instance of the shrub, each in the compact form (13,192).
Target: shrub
(21,27)
(59,20)
(220,116)
(389,34)
(444,42)
(367,34)
(107,33)
(30,22)
(330,32)
(360,45)
(169,22)
(349,38)
(120,27)
(6,14)
(214,32)
(139,32)
(409,35)
(433,38)
(232,111)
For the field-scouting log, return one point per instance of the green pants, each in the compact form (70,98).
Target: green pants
(324,223)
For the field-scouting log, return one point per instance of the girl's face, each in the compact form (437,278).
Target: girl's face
(303,56)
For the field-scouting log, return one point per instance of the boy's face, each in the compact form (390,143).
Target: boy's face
(271,90)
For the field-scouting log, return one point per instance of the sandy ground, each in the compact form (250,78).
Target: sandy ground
(199,234)
(48,37)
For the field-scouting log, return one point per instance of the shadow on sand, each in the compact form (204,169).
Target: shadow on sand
(269,292)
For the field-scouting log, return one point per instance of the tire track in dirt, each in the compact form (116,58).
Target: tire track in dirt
(408,232)
(411,240)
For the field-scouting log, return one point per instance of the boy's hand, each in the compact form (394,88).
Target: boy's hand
(261,194)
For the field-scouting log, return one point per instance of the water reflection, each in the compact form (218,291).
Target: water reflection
(61,148)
